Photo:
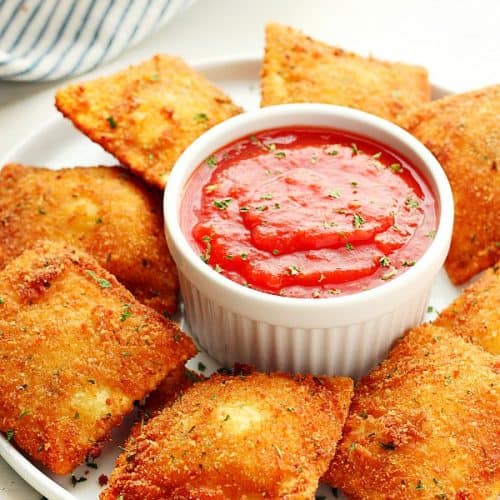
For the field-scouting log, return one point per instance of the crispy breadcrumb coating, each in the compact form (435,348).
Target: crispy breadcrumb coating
(240,436)
(475,314)
(148,114)
(463,133)
(297,68)
(424,424)
(76,351)
(105,211)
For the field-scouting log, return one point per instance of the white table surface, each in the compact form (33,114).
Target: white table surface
(457,40)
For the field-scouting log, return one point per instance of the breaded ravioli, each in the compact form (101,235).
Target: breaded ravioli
(76,351)
(147,114)
(463,133)
(255,436)
(424,424)
(475,314)
(297,68)
(105,211)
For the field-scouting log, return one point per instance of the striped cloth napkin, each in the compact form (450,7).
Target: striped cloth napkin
(51,39)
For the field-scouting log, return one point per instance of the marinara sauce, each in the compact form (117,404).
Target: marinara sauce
(308,212)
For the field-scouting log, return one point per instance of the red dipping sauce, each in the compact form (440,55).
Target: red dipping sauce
(308,212)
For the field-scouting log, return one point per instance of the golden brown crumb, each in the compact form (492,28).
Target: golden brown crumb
(104,211)
(462,132)
(241,436)
(297,68)
(425,423)
(76,350)
(475,314)
(147,114)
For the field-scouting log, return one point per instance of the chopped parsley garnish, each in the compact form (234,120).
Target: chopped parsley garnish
(112,122)
(352,447)
(126,313)
(358,221)
(354,183)
(91,381)
(227,417)
(447,379)
(275,252)
(228,256)
(98,220)
(2,301)
(211,161)
(271,146)
(9,434)
(384,261)
(293,270)
(42,211)
(408,263)
(222,204)
(354,148)
(332,152)
(431,234)
(200,117)
(411,203)
(217,268)
(334,193)
(349,246)
(420,485)
(252,138)
(396,167)
(267,196)
(244,209)
(262,208)
(280,155)
(24,413)
(314,159)
(376,156)
(316,294)
(201,366)
(244,256)
(277,206)
(103,283)
(431,309)
(290,409)
(363,415)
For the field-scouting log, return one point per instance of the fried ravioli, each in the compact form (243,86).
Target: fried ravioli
(475,314)
(425,423)
(105,211)
(237,437)
(463,132)
(77,349)
(148,114)
(297,68)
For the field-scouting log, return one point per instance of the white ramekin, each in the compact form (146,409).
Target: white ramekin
(344,335)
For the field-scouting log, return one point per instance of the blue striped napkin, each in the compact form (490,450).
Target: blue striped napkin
(51,39)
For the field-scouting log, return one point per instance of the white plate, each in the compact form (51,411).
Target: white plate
(59,144)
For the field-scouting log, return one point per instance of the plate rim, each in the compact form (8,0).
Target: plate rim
(16,459)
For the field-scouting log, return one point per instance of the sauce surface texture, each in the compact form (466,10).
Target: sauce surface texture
(308,212)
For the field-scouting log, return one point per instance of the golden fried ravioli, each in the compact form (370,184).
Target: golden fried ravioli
(475,314)
(105,211)
(76,351)
(297,68)
(147,114)
(424,424)
(255,436)
(463,132)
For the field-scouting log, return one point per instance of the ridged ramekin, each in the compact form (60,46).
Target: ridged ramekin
(342,335)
